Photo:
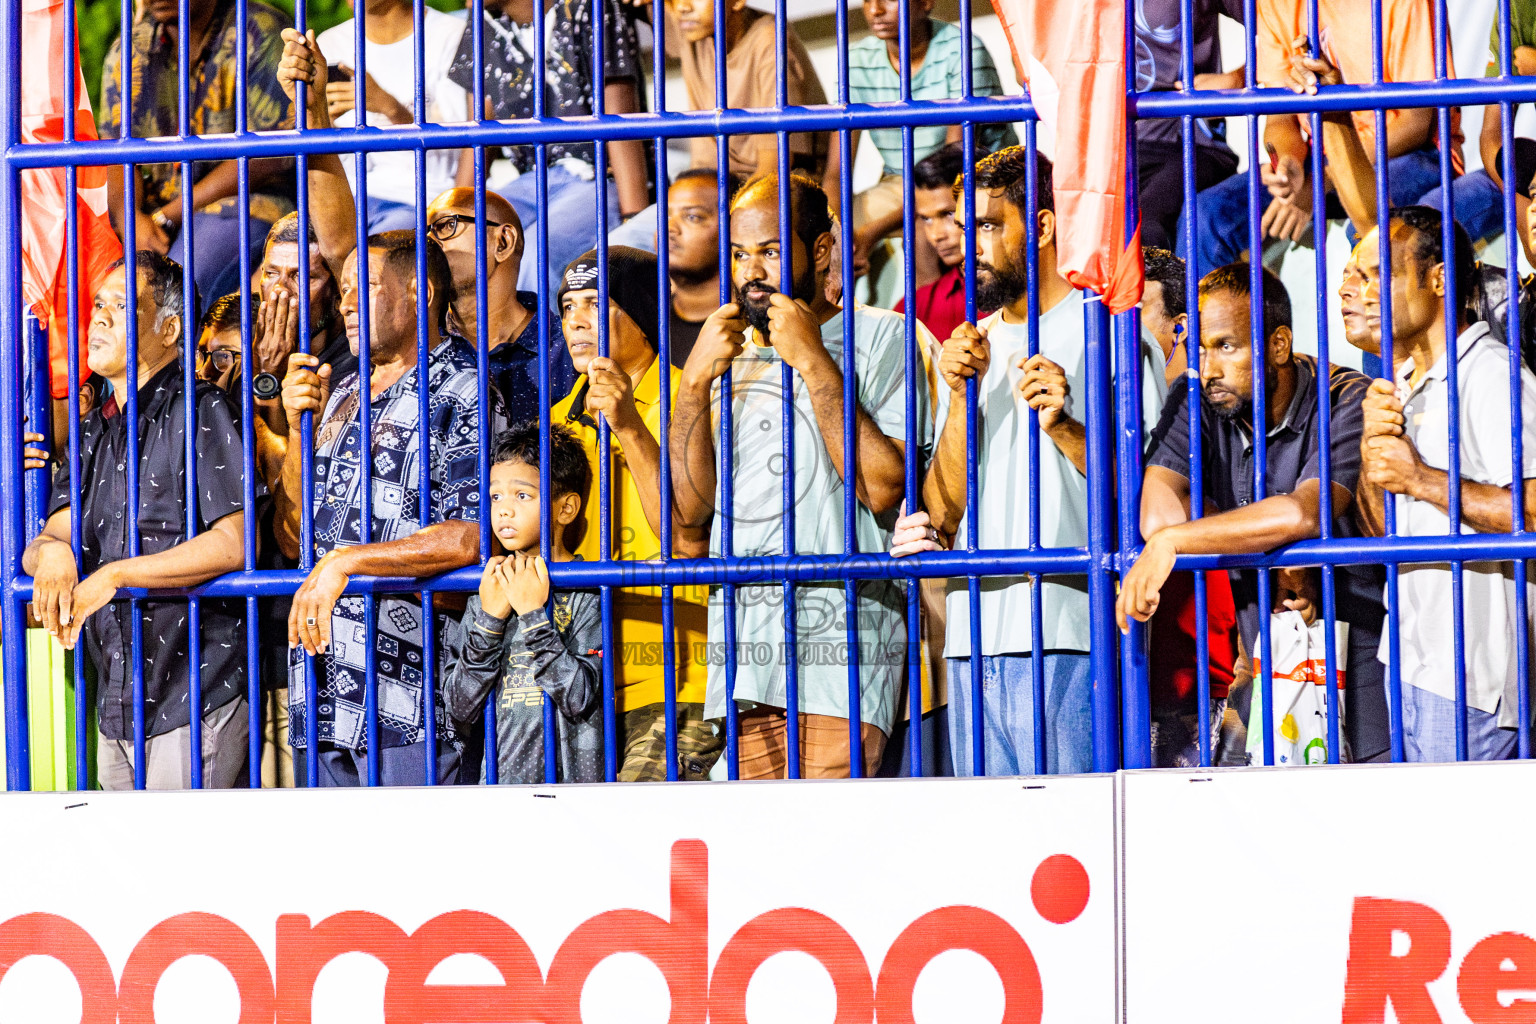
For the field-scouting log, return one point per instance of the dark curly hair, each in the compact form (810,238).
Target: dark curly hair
(569,471)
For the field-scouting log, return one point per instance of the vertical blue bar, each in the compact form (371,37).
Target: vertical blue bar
(365,440)
(1032,431)
(254,708)
(1453,389)
(664,355)
(1136,696)
(1517,429)
(18,772)
(541,184)
(189,454)
(1101,591)
(1324,417)
(726,453)
(424,417)
(604,433)
(306,420)
(1191,342)
(482,356)
(787,441)
(72,269)
(1260,406)
(1388,365)
(972,504)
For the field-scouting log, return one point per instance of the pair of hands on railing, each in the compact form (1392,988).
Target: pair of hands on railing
(518,582)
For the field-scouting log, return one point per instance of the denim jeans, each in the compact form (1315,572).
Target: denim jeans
(1478,205)
(1429,730)
(216,250)
(388,215)
(639,232)
(571,215)
(1008,714)
(1221,212)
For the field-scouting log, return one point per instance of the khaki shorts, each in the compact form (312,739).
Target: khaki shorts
(824,747)
(644,741)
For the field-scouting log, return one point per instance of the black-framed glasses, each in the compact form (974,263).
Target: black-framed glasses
(445,228)
(223,360)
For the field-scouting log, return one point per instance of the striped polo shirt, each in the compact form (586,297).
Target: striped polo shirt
(871,79)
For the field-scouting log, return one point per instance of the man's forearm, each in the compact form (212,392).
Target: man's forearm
(1408,131)
(32,555)
(944,492)
(1251,529)
(693,462)
(213,553)
(644,457)
(880,470)
(1284,134)
(1354,176)
(627,157)
(1071,439)
(439,548)
(1484,507)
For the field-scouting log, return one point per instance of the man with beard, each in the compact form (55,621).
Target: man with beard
(1009,383)
(755,337)
(1236,523)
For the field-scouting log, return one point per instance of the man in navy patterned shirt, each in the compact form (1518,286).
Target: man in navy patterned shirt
(413,529)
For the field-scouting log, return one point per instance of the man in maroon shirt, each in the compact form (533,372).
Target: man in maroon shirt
(940,304)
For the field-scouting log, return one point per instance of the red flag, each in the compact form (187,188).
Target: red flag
(1071,54)
(44,283)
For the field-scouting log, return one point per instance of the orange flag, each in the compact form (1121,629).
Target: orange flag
(44,283)
(1071,54)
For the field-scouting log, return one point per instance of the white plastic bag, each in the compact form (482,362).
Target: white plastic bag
(1301,702)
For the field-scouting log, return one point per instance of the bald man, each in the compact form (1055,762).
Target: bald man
(511,320)
(511,316)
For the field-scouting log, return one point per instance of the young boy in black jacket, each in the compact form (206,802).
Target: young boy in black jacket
(519,642)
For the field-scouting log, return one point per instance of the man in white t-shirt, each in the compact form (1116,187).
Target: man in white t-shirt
(754,338)
(390,66)
(1404,451)
(1010,382)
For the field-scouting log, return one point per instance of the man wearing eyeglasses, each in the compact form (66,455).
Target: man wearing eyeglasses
(511,316)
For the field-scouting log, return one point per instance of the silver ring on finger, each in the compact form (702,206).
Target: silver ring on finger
(309,622)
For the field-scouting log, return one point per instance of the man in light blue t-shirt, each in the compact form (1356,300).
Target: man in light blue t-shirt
(1011,382)
(755,338)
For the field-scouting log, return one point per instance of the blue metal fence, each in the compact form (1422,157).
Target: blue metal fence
(1121,709)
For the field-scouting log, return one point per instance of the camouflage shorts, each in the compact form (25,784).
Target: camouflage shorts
(644,741)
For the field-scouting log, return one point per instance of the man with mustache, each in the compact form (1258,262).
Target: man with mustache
(1009,382)
(754,338)
(1405,453)
(1236,521)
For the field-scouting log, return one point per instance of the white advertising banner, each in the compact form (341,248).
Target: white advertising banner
(933,901)
(1362,894)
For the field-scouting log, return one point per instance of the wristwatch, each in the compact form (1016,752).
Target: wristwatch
(163,222)
(265,386)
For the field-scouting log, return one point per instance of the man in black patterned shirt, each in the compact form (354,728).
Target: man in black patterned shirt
(72,608)
(410,532)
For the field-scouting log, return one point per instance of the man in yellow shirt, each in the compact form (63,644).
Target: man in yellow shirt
(624,388)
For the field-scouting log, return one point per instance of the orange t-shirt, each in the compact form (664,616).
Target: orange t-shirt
(1408,50)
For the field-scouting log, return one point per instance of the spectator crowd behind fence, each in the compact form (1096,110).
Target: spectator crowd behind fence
(524,429)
